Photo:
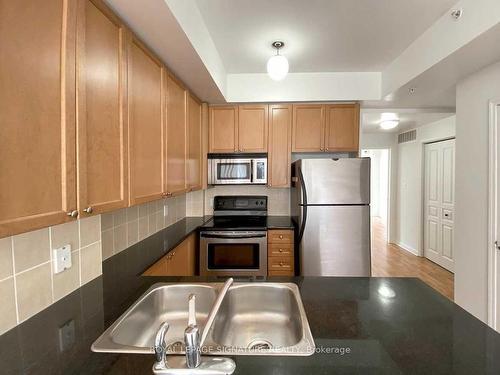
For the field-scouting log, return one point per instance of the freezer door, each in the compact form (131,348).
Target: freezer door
(334,181)
(336,241)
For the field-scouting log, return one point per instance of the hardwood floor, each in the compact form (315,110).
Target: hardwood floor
(389,260)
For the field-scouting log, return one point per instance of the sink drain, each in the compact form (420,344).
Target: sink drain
(260,345)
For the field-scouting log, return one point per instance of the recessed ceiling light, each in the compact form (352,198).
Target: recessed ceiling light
(389,124)
(277,65)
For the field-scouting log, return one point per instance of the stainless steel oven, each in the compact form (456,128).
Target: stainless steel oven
(233,253)
(230,169)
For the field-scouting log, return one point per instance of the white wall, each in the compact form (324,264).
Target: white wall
(409,227)
(379,179)
(471,209)
(386,141)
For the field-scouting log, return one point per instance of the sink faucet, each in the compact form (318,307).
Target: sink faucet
(193,343)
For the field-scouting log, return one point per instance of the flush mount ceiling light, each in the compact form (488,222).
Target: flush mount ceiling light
(277,65)
(389,124)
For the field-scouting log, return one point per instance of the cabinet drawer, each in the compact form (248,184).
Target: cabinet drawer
(280,264)
(280,249)
(280,236)
(281,273)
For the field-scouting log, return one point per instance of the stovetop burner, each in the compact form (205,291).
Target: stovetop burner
(236,212)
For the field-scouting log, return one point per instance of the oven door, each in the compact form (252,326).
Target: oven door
(231,171)
(225,253)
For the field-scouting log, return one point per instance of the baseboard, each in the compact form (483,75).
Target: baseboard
(408,248)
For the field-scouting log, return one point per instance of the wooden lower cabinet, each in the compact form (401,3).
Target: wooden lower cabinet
(280,252)
(181,261)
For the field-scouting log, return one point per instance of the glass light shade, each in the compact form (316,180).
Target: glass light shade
(277,67)
(389,124)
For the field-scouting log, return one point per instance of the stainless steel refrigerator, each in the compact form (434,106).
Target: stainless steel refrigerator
(330,202)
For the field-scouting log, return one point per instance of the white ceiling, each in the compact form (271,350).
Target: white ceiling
(320,35)
(408,119)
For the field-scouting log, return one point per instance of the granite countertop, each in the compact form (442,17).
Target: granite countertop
(358,327)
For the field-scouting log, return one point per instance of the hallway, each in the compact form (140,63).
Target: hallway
(388,260)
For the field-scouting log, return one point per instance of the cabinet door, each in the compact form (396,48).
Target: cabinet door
(194,154)
(176,136)
(252,128)
(280,134)
(182,261)
(342,127)
(37,114)
(223,129)
(101,106)
(308,128)
(146,124)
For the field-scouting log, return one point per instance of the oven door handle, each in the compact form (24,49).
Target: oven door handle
(231,236)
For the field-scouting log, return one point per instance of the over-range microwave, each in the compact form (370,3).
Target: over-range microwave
(230,169)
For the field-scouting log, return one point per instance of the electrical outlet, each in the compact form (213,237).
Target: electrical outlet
(62,258)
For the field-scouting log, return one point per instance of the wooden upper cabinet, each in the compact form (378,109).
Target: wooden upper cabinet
(101,106)
(308,128)
(146,108)
(252,128)
(195,146)
(176,136)
(37,114)
(280,135)
(223,129)
(342,127)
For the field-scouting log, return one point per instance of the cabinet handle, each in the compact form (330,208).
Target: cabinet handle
(73,214)
(88,210)
(281,236)
(280,250)
(321,148)
(282,264)
(326,149)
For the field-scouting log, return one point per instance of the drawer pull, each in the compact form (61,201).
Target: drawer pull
(280,250)
(282,264)
(281,236)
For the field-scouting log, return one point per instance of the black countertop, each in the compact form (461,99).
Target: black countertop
(358,327)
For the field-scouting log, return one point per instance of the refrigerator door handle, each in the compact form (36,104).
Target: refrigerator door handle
(303,206)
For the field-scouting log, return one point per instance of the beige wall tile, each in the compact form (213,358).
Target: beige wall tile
(152,223)
(5,257)
(132,213)
(8,317)
(31,249)
(65,234)
(34,291)
(120,238)
(143,210)
(90,230)
(90,262)
(107,244)
(151,208)
(132,232)
(143,227)
(119,217)
(69,280)
(107,221)
(160,222)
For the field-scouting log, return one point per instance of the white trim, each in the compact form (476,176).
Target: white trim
(492,212)
(405,247)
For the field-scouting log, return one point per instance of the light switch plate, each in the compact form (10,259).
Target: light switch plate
(62,258)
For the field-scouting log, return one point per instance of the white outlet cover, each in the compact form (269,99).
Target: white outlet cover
(62,258)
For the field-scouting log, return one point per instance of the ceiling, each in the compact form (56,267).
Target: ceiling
(408,119)
(319,35)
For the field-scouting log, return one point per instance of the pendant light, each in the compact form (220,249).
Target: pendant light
(277,65)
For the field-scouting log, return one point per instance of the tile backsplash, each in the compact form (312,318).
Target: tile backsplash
(27,281)
(123,228)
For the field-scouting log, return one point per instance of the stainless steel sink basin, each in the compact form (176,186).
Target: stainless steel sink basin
(263,318)
(254,319)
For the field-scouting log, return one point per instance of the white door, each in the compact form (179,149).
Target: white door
(439,202)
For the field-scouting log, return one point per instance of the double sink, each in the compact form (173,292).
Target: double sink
(253,319)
